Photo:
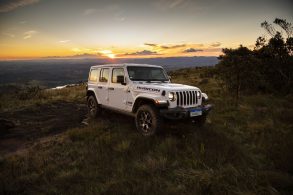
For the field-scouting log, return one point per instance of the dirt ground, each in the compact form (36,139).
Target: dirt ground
(22,128)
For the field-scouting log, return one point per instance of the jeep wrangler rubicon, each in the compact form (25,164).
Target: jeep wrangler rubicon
(144,92)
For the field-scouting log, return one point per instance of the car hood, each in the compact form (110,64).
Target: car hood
(159,87)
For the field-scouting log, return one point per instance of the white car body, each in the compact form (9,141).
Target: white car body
(127,96)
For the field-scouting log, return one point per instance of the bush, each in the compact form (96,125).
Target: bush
(29,93)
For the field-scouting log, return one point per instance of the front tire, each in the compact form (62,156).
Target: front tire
(93,108)
(147,120)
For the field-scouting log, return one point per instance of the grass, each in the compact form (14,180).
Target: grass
(241,150)
(30,96)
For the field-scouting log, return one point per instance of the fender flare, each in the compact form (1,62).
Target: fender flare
(92,92)
(146,100)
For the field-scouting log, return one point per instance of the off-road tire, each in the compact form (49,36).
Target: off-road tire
(93,107)
(147,120)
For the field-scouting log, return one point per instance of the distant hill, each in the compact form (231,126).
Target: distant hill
(59,71)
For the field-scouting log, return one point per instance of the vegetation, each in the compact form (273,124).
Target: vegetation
(266,69)
(241,150)
(20,97)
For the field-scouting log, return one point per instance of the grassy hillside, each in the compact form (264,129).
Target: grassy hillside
(241,150)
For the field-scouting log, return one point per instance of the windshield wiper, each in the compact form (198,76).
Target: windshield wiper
(149,81)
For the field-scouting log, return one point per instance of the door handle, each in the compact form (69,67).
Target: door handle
(111,88)
(100,87)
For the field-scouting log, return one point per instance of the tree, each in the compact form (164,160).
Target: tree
(236,69)
(267,68)
(276,55)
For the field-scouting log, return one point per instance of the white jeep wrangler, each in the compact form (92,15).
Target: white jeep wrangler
(145,92)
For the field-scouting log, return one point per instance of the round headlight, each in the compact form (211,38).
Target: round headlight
(199,95)
(172,96)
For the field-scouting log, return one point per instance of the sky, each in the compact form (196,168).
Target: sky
(132,28)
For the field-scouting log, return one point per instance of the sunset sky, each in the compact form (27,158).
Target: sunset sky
(132,28)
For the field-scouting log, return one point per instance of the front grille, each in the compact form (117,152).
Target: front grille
(188,98)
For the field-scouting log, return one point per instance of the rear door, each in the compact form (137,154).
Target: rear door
(117,91)
(102,89)
(93,80)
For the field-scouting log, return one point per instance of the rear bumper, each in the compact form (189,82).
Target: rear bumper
(183,113)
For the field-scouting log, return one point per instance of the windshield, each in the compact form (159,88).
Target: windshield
(138,73)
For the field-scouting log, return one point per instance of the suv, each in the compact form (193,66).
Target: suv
(144,92)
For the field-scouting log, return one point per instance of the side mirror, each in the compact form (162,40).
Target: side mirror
(120,79)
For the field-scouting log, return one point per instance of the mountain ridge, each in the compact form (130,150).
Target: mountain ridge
(56,72)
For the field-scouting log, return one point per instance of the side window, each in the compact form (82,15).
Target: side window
(104,76)
(94,75)
(117,72)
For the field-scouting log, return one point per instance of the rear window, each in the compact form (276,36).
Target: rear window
(94,75)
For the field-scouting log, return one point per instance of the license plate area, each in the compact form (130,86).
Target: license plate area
(195,112)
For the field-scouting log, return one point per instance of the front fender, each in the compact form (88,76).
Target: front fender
(158,101)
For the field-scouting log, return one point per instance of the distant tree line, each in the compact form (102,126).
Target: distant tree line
(268,68)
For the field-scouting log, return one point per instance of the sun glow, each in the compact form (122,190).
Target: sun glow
(111,55)
(108,53)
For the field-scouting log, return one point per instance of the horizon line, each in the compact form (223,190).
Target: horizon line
(97,58)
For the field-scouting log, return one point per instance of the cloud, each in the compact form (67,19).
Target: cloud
(216,44)
(120,19)
(89,11)
(144,52)
(172,46)
(175,3)
(29,34)
(197,45)
(190,50)
(86,55)
(76,50)
(9,35)
(83,55)
(165,46)
(170,4)
(151,44)
(9,5)
(64,41)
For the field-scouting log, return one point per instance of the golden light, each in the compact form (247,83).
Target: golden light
(108,53)
(111,55)
(105,51)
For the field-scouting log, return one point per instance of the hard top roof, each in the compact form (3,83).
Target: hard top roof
(124,65)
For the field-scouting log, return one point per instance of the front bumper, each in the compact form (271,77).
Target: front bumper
(183,113)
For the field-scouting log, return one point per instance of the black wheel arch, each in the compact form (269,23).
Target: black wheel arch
(144,100)
(90,93)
